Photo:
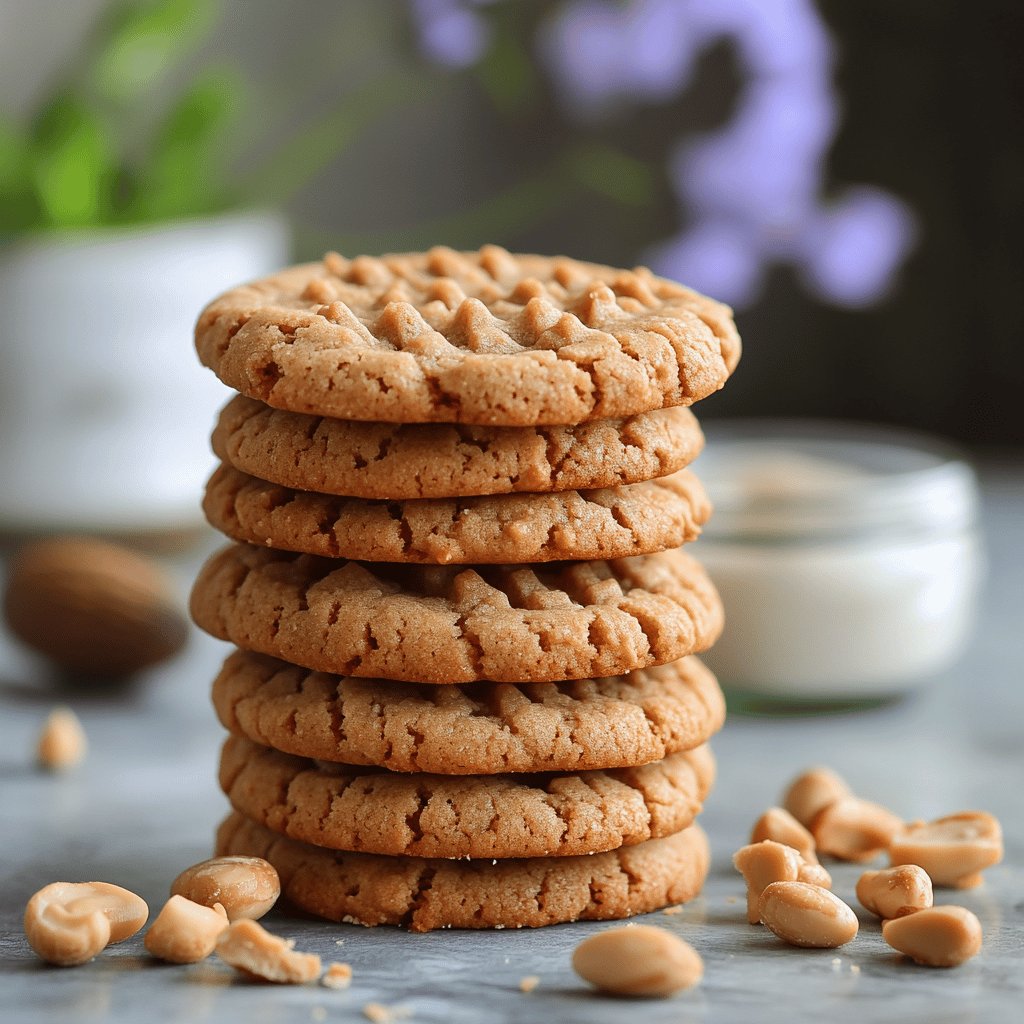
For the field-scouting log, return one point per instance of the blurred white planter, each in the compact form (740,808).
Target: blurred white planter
(105,412)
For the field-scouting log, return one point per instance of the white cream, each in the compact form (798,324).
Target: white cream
(848,566)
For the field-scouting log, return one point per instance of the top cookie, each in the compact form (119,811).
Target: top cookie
(485,338)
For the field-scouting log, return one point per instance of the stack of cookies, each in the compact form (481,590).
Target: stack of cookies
(464,693)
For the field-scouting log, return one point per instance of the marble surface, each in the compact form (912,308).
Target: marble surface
(145,803)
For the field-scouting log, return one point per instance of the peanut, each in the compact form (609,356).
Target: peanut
(779,825)
(814,874)
(812,791)
(854,829)
(185,932)
(895,892)
(935,936)
(638,960)
(761,864)
(953,850)
(246,887)
(62,743)
(249,948)
(807,915)
(69,923)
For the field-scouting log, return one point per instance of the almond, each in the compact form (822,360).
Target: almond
(93,608)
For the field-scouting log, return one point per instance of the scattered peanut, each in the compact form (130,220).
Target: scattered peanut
(62,743)
(807,915)
(935,936)
(761,864)
(953,850)
(895,892)
(249,948)
(246,887)
(814,874)
(638,961)
(185,932)
(812,791)
(779,825)
(337,976)
(854,829)
(69,923)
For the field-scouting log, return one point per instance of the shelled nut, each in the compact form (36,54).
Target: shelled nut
(895,892)
(185,932)
(807,915)
(936,936)
(638,960)
(246,887)
(812,791)
(953,850)
(854,829)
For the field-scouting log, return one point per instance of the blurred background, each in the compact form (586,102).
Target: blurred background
(847,175)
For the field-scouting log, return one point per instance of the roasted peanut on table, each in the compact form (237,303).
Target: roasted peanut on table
(185,932)
(246,887)
(761,864)
(69,923)
(638,960)
(935,936)
(895,892)
(953,850)
(854,829)
(812,791)
(249,948)
(814,874)
(779,825)
(807,915)
(62,743)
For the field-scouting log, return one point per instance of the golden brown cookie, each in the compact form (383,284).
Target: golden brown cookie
(484,337)
(372,810)
(422,894)
(446,624)
(613,522)
(395,461)
(472,728)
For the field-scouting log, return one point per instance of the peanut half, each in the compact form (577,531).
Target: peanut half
(778,824)
(185,932)
(854,829)
(807,915)
(638,960)
(246,887)
(69,923)
(762,863)
(895,892)
(953,850)
(812,791)
(935,936)
(249,948)
(62,743)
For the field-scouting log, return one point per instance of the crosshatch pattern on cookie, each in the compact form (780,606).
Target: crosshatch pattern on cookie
(451,460)
(372,810)
(423,894)
(615,522)
(470,728)
(483,337)
(448,624)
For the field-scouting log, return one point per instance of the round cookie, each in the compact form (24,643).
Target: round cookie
(613,522)
(473,728)
(372,810)
(422,894)
(446,624)
(434,460)
(484,337)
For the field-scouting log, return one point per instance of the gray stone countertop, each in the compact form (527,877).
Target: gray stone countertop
(145,803)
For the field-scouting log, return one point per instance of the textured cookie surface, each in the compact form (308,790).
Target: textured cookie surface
(423,894)
(612,522)
(482,337)
(447,624)
(473,728)
(389,460)
(372,810)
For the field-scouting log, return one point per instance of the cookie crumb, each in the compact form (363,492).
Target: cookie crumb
(529,983)
(381,1014)
(337,976)
(732,899)
(854,969)
(318,1013)
(62,743)
(672,910)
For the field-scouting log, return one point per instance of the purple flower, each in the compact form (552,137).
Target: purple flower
(450,32)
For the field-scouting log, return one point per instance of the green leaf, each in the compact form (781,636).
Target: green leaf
(183,175)
(508,75)
(141,43)
(612,173)
(72,164)
(18,206)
